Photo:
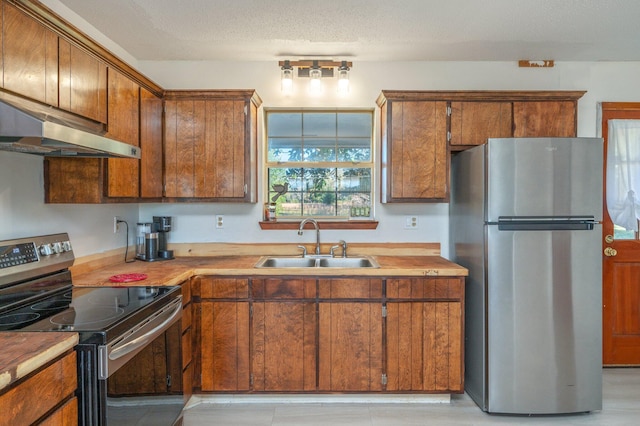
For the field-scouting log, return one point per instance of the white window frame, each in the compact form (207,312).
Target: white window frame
(367,212)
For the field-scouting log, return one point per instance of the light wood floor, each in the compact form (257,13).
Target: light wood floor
(621,406)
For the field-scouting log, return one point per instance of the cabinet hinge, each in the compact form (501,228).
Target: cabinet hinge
(384,379)
(250,310)
(246,189)
(449,111)
(251,379)
(448,136)
(168,380)
(384,311)
(245,110)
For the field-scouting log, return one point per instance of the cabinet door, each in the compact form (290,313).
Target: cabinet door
(30,57)
(424,335)
(184,129)
(545,118)
(82,83)
(284,346)
(73,180)
(415,155)
(206,151)
(224,341)
(151,145)
(350,346)
(350,334)
(472,123)
(123,125)
(221,156)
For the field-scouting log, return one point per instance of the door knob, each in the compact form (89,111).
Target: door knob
(610,252)
(608,239)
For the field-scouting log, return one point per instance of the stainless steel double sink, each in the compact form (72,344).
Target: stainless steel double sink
(316,262)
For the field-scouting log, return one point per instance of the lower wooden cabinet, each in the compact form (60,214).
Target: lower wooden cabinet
(425,335)
(47,396)
(284,346)
(222,333)
(352,334)
(350,346)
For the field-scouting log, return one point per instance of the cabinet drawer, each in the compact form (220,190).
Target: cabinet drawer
(350,288)
(34,397)
(425,288)
(221,288)
(280,288)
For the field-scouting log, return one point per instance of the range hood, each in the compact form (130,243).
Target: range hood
(41,134)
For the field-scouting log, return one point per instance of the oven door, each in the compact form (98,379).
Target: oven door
(138,377)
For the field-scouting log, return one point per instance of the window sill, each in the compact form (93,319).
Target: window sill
(324,224)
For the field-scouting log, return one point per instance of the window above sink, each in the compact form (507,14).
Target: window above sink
(319,164)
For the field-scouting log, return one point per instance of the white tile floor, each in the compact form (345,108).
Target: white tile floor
(621,406)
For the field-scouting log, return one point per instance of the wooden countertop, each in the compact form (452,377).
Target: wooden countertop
(175,271)
(25,352)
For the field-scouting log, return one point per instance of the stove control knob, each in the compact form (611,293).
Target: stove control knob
(46,250)
(66,246)
(57,247)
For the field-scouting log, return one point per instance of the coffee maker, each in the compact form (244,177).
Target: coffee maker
(162,225)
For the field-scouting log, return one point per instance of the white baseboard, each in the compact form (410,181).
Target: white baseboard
(318,399)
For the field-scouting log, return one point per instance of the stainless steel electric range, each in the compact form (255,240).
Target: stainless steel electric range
(114,324)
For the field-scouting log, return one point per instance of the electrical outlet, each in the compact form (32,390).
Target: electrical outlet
(116,225)
(219,221)
(410,222)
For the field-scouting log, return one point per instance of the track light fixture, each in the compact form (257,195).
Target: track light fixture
(315,70)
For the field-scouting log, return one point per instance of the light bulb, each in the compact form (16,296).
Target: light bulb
(286,78)
(315,84)
(343,78)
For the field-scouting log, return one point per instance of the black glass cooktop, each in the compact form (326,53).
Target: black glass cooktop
(81,309)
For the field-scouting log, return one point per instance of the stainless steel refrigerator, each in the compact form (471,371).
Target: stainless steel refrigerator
(525,219)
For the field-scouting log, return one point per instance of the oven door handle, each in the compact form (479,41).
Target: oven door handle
(120,351)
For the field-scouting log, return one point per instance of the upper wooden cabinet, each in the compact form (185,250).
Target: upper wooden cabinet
(123,179)
(29,56)
(545,118)
(83,83)
(135,117)
(211,145)
(472,123)
(420,128)
(414,150)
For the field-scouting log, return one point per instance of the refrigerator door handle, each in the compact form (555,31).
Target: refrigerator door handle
(546,224)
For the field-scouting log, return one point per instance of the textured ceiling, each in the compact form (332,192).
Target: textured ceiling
(369,30)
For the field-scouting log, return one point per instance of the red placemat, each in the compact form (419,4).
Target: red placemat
(127,278)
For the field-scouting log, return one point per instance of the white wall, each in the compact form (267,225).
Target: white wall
(23,213)
(197,223)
